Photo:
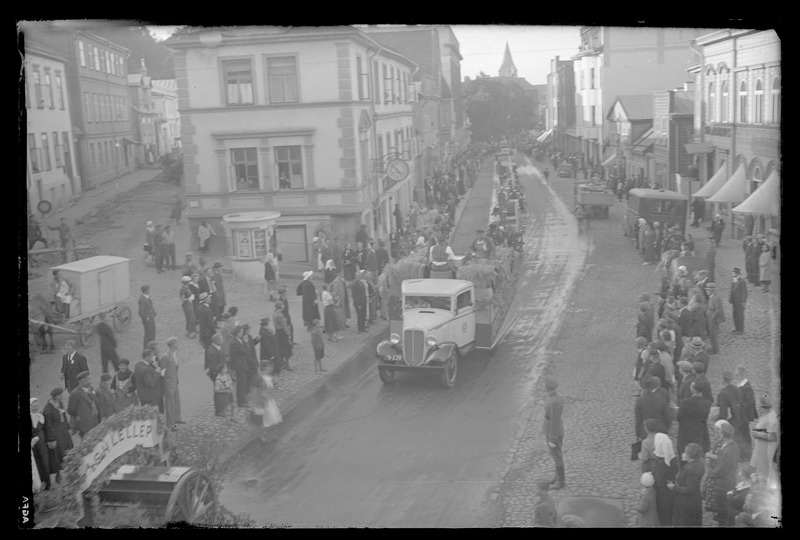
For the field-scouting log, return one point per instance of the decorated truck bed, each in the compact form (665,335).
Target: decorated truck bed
(595,198)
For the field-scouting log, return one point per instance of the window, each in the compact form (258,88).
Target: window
(91,154)
(36,162)
(594,114)
(743,103)
(102,64)
(97,113)
(238,82)
(108,62)
(376,82)
(386,84)
(380,146)
(758,113)
(46,152)
(757,179)
(711,103)
(724,102)
(464,300)
(58,150)
(776,100)
(96,56)
(244,165)
(591,78)
(360,70)
(100,154)
(290,167)
(81,53)
(47,90)
(282,72)
(113,63)
(59,92)
(87,106)
(37,85)
(107,151)
(392,84)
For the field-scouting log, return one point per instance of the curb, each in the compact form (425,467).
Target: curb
(298,396)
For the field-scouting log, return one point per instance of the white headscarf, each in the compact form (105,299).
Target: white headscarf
(37,418)
(329,265)
(663,448)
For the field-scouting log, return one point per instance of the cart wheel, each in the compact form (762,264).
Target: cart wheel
(192,500)
(450,371)
(85,331)
(386,375)
(121,318)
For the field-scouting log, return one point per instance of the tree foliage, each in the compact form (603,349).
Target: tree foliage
(497,107)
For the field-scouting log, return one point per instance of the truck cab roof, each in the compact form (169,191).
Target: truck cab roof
(436,287)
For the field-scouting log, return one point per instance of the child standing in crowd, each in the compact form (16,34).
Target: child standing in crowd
(319,346)
(223,392)
(648,516)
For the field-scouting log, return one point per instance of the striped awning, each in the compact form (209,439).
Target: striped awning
(713,185)
(766,200)
(734,190)
(609,161)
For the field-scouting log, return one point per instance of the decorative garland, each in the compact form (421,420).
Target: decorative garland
(71,474)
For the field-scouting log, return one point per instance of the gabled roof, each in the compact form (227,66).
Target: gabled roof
(638,107)
(420,44)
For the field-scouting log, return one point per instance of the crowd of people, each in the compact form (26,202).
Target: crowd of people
(734,474)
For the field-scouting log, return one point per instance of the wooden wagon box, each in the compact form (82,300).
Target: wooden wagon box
(100,282)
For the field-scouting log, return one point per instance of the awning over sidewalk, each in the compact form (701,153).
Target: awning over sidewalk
(734,190)
(131,141)
(644,143)
(765,200)
(545,136)
(713,185)
(698,148)
(609,161)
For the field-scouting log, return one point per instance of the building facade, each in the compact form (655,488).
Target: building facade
(144,118)
(631,121)
(451,73)
(737,114)
(51,172)
(96,80)
(615,61)
(298,121)
(165,102)
(560,110)
(673,129)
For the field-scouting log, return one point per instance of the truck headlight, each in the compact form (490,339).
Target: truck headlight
(431,341)
(394,339)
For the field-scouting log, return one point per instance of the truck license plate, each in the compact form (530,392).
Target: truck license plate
(395,357)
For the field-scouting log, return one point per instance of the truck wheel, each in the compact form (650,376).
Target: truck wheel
(386,375)
(450,371)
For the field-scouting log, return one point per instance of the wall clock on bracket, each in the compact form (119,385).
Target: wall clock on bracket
(397,169)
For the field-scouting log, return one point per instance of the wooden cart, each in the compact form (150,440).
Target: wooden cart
(102,285)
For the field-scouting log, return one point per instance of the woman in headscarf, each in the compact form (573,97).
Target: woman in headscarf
(330,272)
(329,307)
(721,478)
(664,470)
(765,434)
(39,443)
(687,508)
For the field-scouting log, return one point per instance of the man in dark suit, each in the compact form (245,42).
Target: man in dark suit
(731,408)
(82,407)
(687,378)
(750,410)
(214,357)
(147,380)
(148,315)
(108,344)
(359,289)
(73,364)
(693,421)
(218,301)
(652,405)
(205,319)
(699,372)
(738,298)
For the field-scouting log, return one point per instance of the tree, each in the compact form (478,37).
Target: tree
(497,107)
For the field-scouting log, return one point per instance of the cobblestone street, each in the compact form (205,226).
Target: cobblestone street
(593,357)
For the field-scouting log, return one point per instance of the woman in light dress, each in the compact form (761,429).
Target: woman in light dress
(765,434)
(265,404)
(765,267)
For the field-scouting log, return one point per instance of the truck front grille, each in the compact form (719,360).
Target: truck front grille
(413,347)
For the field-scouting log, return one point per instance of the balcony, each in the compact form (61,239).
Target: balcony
(718,130)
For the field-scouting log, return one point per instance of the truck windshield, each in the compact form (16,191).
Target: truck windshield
(427,302)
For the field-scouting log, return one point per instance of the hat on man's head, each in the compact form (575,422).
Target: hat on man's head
(699,367)
(685,365)
(124,361)
(264,321)
(550,382)
(737,270)
(83,375)
(697,342)
(307,274)
(216,265)
(58,391)
(186,279)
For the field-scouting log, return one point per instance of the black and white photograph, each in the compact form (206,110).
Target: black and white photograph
(393,276)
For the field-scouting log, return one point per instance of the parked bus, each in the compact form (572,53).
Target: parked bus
(665,207)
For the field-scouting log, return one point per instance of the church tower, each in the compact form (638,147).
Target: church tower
(508,69)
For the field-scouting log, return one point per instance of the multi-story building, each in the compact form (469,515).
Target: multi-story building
(431,107)
(737,117)
(615,61)
(296,120)
(165,101)
(631,133)
(673,129)
(51,172)
(560,108)
(457,136)
(540,91)
(144,117)
(96,81)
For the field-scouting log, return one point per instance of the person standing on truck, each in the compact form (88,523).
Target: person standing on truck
(440,256)
(553,429)
(483,246)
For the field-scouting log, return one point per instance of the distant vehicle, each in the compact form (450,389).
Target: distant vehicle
(666,207)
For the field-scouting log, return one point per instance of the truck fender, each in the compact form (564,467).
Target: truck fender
(385,348)
(441,353)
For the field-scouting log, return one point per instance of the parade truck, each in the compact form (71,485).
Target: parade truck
(595,199)
(434,322)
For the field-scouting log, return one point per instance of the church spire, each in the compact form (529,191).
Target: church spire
(508,69)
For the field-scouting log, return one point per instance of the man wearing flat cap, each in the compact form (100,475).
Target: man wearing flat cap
(56,430)
(714,316)
(738,299)
(82,407)
(73,364)
(205,319)
(696,352)
(307,290)
(122,386)
(553,429)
